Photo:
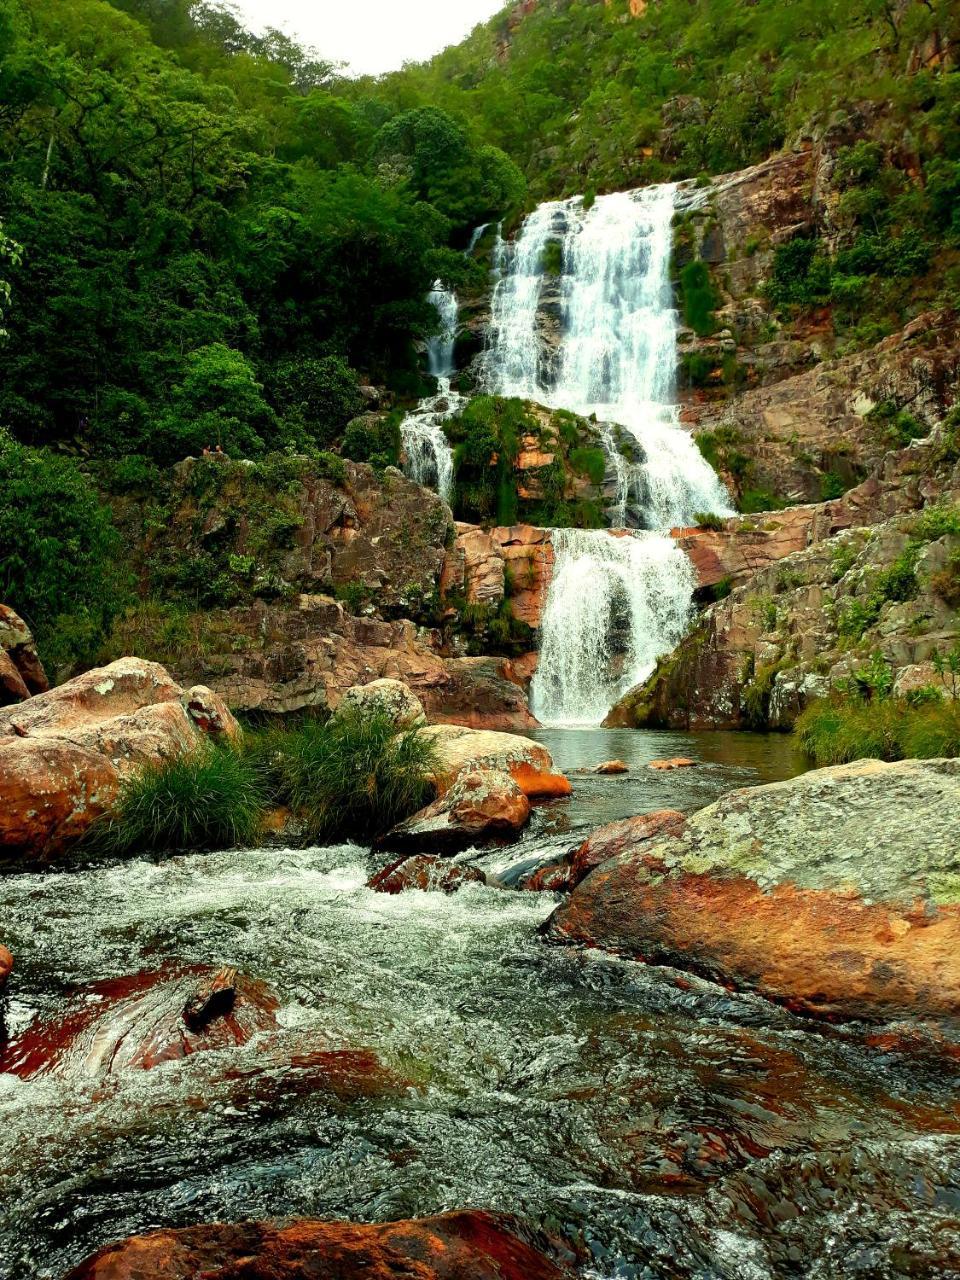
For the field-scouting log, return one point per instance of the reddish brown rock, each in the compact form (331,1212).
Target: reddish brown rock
(469,1245)
(6,965)
(611,768)
(482,693)
(21,671)
(677,762)
(605,843)
(833,894)
(134,1024)
(51,792)
(529,764)
(426,873)
(481,805)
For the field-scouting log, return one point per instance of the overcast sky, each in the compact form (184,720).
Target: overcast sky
(371,35)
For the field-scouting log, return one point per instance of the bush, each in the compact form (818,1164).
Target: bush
(59,553)
(707,520)
(211,799)
(354,777)
(318,395)
(837,732)
(801,275)
(699,298)
(591,463)
(374,439)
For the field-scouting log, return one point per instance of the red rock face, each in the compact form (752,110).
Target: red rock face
(481,805)
(51,792)
(134,1024)
(826,954)
(456,1246)
(426,873)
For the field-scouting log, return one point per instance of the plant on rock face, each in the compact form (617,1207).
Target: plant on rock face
(213,798)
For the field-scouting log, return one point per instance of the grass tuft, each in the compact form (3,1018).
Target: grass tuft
(211,799)
(840,732)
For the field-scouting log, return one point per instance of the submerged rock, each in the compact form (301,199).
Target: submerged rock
(429,874)
(64,753)
(677,762)
(529,764)
(137,1023)
(468,1245)
(836,894)
(481,805)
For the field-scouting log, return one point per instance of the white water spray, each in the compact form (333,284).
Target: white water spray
(428,458)
(601,340)
(615,605)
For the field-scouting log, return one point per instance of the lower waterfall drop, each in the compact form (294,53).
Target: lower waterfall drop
(615,605)
(428,458)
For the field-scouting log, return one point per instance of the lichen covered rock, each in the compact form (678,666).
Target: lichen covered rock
(529,764)
(389,698)
(480,806)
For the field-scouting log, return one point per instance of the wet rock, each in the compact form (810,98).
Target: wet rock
(480,806)
(484,693)
(390,698)
(529,764)
(214,997)
(6,965)
(64,752)
(677,762)
(21,671)
(137,1023)
(836,894)
(610,768)
(427,873)
(601,845)
(469,1245)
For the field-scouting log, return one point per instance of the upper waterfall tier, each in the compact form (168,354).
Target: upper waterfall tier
(583,319)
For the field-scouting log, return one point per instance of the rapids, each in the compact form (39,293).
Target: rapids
(667,1127)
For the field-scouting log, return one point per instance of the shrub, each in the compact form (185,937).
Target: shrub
(211,799)
(59,553)
(896,427)
(699,298)
(355,777)
(707,520)
(320,395)
(374,439)
(591,463)
(937,522)
(801,275)
(552,264)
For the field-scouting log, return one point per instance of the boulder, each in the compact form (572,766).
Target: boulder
(6,965)
(482,804)
(611,768)
(427,873)
(675,762)
(21,671)
(466,1245)
(390,698)
(483,693)
(836,894)
(65,752)
(137,1023)
(603,844)
(529,764)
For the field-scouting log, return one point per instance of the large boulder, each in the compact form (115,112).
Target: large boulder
(836,894)
(468,1245)
(529,764)
(390,698)
(601,845)
(427,873)
(21,671)
(65,752)
(481,805)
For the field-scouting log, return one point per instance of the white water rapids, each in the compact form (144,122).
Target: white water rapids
(601,339)
(428,458)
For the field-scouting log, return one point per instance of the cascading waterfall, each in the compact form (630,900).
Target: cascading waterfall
(428,458)
(601,339)
(615,604)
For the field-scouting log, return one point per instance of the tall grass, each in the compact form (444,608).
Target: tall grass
(352,777)
(213,798)
(881,729)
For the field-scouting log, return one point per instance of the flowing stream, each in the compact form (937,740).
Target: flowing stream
(583,319)
(431,1052)
(428,458)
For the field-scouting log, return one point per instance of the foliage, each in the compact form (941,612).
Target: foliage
(699,298)
(320,395)
(896,427)
(353,777)
(842,730)
(213,798)
(707,520)
(589,462)
(801,275)
(897,583)
(59,553)
(373,438)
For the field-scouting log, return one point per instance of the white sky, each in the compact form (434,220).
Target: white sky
(371,35)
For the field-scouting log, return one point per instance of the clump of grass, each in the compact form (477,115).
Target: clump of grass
(354,776)
(839,732)
(213,798)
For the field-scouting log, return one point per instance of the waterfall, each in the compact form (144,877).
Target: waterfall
(428,458)
(615,605)
(583,319)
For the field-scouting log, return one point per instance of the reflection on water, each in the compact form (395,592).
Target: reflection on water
(671,1128)
(725,761)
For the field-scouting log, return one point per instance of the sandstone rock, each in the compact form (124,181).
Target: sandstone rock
(63,753)
(6,965)
(481,805)
(611,767)
(484,693)
(137,1023)
(603,844)
(678,762)
(836,894)
(427,873)
(21,671)
(390,698)
(529,763)
(468,1245)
